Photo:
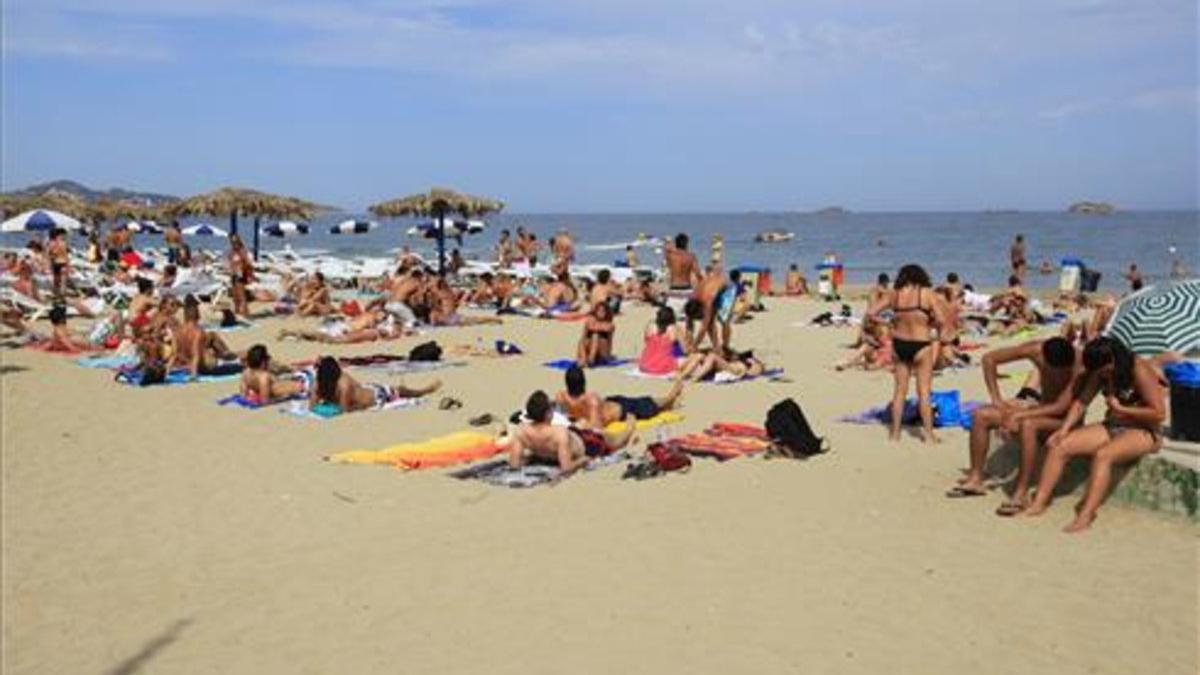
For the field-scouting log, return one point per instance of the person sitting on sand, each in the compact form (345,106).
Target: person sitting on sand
(728,366)
(590,410)
(1036,410)
(1012,307)
(61,338)
(194,348)
(596,344)
(560,295)
(142,304)
(605,291)
(569,447)
(874,351)
(261,385)
(445,309)
(710,311)
(314,298)
(916,311)
(1130,430)
(796,283)
(659,340)
(484,294)
(25,283)
(336,387)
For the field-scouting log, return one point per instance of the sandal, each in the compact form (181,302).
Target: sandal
(482,420)
(960,492)
(1010,509)
(450,403)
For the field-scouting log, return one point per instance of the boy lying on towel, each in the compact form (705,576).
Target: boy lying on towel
(569,447)
(335,387)
(588,409)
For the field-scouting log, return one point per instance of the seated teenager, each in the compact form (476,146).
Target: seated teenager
(596,345)
(560,295)
(590,410)
(1130,430)
(795,284)
(314,298)
(336,387)
(658,344)
(261,385)
(196,349)
(1032,413)
(570,448)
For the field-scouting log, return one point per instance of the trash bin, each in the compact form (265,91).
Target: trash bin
(1068,279)
(1089,280)
(1185,400)
(831,277)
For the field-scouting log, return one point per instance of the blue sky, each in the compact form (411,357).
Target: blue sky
(564,105)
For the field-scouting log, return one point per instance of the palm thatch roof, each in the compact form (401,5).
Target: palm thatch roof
(244,201)
(63,202)
(437,202)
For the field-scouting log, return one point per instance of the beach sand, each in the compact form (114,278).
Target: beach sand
(153,531)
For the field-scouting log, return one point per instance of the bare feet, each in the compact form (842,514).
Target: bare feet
(894,435)
(1033,511)
(1080,524)
(928,436)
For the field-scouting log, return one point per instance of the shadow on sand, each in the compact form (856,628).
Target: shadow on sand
(151,649)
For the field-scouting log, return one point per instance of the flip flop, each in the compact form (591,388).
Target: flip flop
(1009,509)
(449,403)
(482,420)
(960,492)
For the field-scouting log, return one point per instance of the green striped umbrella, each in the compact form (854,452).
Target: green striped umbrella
(1160,318)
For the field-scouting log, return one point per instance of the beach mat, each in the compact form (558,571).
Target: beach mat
(240,401)
(911,416)
(498,473)
(300,409)
(175,378)
(456,448)
(565,364)
(107,362)
(768,374)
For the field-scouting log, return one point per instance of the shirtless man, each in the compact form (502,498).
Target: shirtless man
(337,387)
(589,410)
(560,294)
(710,305)
(261,385)
(444,311)
(1033,413)
(1134,277)
(173,238)
(569,447)
(564,248)
(605,291)
(196,349)
(683,270)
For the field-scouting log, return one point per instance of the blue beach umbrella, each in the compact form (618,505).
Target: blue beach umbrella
(353,227)
(203,230)
(40,220)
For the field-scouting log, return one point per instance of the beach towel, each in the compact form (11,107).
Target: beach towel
(498,472)
(456,448)
(325,411)
(411,367)
(637,372)
(218,328)
(253,404)
(725,378)
(722,441)
(177,377)
(666,417)
(565,364)
(109,362)
(911,415)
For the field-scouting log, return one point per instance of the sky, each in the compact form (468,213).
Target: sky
(612,105)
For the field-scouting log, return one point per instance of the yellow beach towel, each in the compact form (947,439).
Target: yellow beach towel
(668,417)
(449,449)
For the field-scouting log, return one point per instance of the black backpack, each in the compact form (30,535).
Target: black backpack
(789,430)
(426,351)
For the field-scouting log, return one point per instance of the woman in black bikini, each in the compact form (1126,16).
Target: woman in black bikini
(1136,409)
(241,275)
(916,311)
(596,345)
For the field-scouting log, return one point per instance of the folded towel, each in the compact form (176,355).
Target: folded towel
(565,364)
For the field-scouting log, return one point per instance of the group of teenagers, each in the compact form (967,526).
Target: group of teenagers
(1047,413)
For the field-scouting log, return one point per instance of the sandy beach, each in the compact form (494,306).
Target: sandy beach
(151,530)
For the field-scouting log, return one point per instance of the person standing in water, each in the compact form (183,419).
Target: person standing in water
(1016,256)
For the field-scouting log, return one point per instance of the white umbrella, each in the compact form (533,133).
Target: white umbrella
(146,226)
(353,227)
(203,230)
(285,228)
(40,220)
(454,227)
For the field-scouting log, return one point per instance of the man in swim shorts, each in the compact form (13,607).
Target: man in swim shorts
(683,270)
(569,447)
(1037,410)
(590,410)
(712,302)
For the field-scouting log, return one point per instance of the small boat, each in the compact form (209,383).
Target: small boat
(774,237)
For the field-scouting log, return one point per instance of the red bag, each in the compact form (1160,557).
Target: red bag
(351,308)
(668,459)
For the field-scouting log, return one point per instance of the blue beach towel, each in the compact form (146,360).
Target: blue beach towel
(243,402)
(565,364)
(325,411)
(176,377)
(949,411)
(108,362)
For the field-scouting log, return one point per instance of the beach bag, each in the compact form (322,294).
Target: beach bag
(947,409)
(426,351)
(668,459)
(789,430)
(351,308)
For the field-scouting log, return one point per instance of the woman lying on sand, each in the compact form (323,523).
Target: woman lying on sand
(336,387)
(728,366)
(371,325)
(1130,430)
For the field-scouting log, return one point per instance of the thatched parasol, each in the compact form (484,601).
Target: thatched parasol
(438,203)
(233,201)
(63,202)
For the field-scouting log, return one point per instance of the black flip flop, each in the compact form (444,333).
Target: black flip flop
(960,492)
(482,420)
(1009,509)
(450,403)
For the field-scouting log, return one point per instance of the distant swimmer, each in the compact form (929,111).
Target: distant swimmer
(1045,268)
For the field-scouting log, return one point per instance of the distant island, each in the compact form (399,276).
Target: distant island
(1000,212)
(831,211)
(91,195)
(1092,208)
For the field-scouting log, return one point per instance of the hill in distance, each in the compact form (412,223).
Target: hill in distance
(92,195)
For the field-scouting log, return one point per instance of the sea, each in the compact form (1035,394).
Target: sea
(973,244)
